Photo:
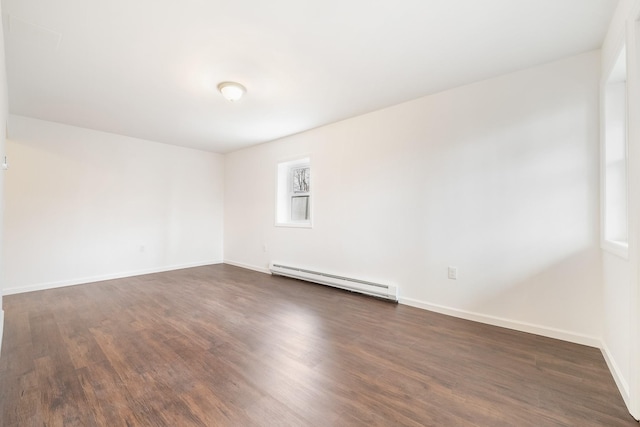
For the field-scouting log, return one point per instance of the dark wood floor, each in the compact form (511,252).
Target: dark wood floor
(223,346)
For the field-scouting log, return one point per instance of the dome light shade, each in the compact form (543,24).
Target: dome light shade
(232,91)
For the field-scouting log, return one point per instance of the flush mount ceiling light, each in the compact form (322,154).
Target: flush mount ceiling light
(232,91)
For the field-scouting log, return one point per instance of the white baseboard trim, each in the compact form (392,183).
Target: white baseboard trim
(101,278)
(506,323)
(623,386)
(247,266)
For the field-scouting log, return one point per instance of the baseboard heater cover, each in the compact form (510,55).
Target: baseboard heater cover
(355,285)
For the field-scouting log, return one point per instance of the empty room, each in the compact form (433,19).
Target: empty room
(323,213)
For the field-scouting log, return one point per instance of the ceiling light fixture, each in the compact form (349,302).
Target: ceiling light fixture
(232,91)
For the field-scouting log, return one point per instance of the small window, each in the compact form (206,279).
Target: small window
(293,207)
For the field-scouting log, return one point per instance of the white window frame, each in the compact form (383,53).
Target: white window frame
(285,193)
(615,242)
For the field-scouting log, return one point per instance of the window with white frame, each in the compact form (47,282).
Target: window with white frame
(293,205)
(614,170)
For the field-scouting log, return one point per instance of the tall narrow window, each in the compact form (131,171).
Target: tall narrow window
(615,232)
(293,205)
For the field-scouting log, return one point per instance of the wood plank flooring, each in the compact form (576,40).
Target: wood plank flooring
(224,346)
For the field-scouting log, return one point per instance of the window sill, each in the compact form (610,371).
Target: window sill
(617,248)
(294,224)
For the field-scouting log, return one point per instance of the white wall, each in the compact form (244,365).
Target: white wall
(498,178)
(82,205)
(621,333)
(3,122)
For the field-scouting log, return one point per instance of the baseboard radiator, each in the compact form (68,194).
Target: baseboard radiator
(355,285)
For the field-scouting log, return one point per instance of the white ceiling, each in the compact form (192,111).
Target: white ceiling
(149,68)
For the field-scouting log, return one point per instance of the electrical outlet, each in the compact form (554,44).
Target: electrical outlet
(453,273)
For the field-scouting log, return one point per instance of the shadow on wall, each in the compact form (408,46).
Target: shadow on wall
(564,294)
(516,210)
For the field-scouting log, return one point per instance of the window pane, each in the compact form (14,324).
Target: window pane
(299,208)
(301,180)
(615,154)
